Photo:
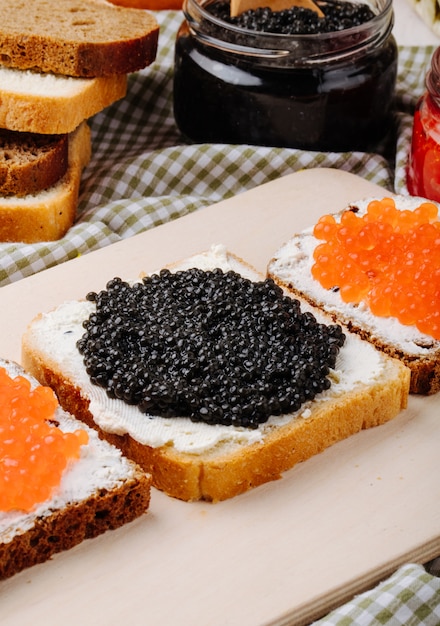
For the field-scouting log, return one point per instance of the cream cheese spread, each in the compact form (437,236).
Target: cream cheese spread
(292,264)
(39,83)
(217,256)
(100,466)
(56,333)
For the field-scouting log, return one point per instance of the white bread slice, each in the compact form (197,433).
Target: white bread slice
(201,461)
(100,491)
(291,268)
(53,104)
(47,215)
(76,37)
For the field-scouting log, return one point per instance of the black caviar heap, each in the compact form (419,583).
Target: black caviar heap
(338,15)
(208,345)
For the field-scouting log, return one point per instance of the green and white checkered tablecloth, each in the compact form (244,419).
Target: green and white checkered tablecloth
(410,597)
(143,174)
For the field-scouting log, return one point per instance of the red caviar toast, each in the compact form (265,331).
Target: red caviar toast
(59,483)
(205,461)
(375,268)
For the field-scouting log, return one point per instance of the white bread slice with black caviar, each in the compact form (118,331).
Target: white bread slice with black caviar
(100,491)
(197,461)
(291,266)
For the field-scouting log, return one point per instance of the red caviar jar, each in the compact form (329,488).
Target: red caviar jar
(423,175)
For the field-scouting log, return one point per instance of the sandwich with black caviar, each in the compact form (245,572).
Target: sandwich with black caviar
(209,377)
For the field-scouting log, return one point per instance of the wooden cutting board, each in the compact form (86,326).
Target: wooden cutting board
(284,553)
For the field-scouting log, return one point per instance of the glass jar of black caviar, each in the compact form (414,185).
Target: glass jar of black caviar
(327,91)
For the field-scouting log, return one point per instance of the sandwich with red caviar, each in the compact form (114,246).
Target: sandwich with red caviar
(375,269)
(59,483)
(210,377)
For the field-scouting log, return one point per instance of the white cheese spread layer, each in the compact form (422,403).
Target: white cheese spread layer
(40,84)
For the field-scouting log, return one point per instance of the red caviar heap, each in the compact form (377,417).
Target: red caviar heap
(387,258)
(33,451)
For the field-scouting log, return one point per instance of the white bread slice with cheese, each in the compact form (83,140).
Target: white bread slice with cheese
(48,214)
(291,268)
(100,491)
(198,461)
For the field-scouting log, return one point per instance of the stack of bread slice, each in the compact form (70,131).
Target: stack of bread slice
(60,64)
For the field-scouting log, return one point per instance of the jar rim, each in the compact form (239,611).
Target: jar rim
(308,48)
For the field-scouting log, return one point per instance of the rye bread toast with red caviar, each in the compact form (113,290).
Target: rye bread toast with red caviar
(230,383)
(71,486)
(375,269)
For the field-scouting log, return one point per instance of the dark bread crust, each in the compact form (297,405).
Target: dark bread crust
(62,530)
(83,38)
(31,162)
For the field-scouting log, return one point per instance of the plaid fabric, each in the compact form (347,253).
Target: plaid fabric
(142,172)
(411,597)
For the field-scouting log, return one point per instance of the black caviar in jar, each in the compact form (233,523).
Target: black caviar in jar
(304,82)
(211,346)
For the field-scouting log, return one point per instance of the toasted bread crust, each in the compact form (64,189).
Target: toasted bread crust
(31,162)
(84,38)
(215,476)
(48,215)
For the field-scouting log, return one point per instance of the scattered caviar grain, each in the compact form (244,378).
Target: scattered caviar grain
(211,346)
(387,258)
(338,15)
(34,452)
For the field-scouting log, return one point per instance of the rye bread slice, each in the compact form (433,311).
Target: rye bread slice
(85,38)
(31,162)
